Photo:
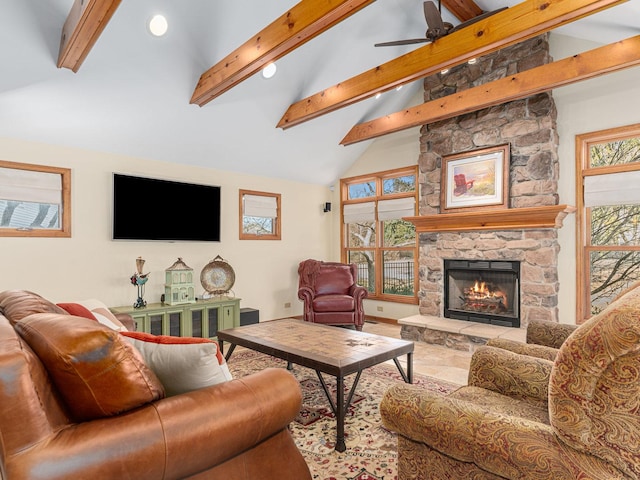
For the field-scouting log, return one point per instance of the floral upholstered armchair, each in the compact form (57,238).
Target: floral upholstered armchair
(544,339)
(523,417)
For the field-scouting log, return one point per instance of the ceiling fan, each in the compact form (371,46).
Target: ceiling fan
(436,26)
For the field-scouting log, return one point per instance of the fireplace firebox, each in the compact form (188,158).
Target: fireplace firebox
(482,291)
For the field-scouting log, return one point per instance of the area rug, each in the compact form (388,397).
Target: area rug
(371,449)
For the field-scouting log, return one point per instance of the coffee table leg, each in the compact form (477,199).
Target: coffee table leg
(340,410)
(232,347)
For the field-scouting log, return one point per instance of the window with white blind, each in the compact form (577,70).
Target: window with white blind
(608,216)
(259,215)
(35,200)
(375,237)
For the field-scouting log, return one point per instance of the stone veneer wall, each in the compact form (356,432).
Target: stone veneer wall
(529,126)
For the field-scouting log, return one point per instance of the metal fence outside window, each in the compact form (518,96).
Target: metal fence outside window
(397,276)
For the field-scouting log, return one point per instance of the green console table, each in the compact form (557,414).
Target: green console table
(200,319)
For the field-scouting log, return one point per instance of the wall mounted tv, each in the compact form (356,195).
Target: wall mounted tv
(154,209)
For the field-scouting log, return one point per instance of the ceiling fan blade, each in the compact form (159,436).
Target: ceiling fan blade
(433,17)
(477,19)
(402,42)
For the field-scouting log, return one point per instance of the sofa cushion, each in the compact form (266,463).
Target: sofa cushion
(334,303)
(334,280)
(182,364)
(17,304)
(96,371)
(102,313)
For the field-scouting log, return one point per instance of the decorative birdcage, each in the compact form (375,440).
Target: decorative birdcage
(178,287)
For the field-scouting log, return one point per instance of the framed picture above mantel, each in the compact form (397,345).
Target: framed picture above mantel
(475,180)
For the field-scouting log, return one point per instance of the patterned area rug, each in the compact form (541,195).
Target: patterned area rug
(371,449)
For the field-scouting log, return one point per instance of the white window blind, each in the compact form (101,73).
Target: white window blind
(612,189)
(359,212)
(29,186)
(396,208)
(260,206)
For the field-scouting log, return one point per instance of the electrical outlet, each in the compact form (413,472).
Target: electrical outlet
(379,309)
(287,305)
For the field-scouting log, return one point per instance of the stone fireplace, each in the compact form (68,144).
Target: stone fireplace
(529,127)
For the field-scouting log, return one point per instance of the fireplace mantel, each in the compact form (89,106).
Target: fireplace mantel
(550,216)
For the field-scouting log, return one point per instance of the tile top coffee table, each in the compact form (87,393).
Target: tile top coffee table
(326,349)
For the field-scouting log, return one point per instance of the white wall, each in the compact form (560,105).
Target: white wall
(608,101)
(91,265)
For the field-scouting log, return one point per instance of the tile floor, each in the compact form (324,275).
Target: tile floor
(433,360)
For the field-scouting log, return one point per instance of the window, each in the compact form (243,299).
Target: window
(376,238)
(259,215)
(608,221)
(35,200)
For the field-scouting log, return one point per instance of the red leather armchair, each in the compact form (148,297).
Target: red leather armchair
(330,293)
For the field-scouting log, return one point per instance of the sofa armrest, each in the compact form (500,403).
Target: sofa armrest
(533,350)
(510,373)
(507,446)
(305,294)
(127,320)
(550,334)
(175,437)
(449,425)
(358,292)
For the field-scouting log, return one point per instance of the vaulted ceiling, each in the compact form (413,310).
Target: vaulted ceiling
(196,96)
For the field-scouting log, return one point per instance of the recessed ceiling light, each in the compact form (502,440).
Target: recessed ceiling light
(472,61)
(158,25)
(269,71)
(443,71)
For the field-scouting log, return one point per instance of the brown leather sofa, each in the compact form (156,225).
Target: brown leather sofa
(330,293)
(233,430)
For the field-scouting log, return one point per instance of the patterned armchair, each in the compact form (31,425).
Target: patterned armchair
(522,417)
(330,293)
(544,338)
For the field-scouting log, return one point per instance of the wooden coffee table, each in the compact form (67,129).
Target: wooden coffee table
(331,350)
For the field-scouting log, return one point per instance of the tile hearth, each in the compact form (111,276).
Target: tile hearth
(428,359)
(455,334)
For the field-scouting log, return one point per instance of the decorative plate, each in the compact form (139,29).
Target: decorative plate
(217,277)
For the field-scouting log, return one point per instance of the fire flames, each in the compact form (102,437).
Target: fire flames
(483,297)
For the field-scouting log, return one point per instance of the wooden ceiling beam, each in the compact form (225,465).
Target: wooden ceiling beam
(600,61)
(515,24)
(297,26)
(463,10)
(84,24)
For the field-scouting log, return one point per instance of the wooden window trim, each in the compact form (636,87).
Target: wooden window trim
(583,233)
(277,223)
(65,211)
(379,248)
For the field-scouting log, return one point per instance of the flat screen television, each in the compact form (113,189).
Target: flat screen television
(154,209)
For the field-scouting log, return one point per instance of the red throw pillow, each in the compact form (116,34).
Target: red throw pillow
(182,364)
(96,371)
(77,310)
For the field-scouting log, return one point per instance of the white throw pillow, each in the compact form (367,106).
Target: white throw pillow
(182,364)
(103,314)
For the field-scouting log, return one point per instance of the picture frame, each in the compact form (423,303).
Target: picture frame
(475,180)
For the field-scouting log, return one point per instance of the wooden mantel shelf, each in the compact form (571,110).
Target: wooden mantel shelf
(505,219)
